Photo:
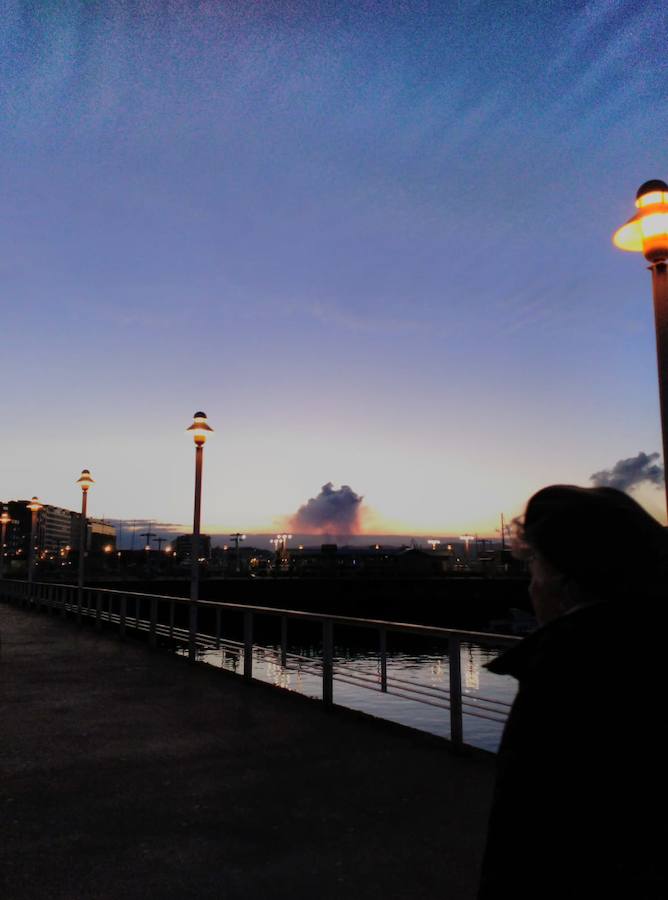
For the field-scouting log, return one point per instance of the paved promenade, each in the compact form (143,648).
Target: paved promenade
(128,773)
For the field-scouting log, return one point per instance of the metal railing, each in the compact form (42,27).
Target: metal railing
(179,619)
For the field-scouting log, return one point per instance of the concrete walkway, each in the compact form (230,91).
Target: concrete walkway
(128,773)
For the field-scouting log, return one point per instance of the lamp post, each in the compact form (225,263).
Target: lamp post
(199,428)
(85,481)
(236,537)
(283,540)
(5,519)
(434,544)
(34,506)
(282,547)
(647,233)
(467,538)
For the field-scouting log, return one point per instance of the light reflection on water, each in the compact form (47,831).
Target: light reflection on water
(427,672)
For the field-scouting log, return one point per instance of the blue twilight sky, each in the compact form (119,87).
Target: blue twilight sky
(370,239)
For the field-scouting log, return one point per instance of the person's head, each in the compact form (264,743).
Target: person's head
(590,544)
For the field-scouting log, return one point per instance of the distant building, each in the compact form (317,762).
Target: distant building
(53,528)
(101,535)
(182,546)
(375,561)
(56,529)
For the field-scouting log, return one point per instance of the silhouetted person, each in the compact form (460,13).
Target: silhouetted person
(580,800)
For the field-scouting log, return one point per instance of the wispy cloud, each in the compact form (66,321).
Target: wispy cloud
(372,323)
(584,25)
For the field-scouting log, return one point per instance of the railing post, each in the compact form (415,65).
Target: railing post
(328,662)
(455,666)
(382,649)
(192,632)
(79,604)
(154,622)
(172,607)
(218,626)
(122,615)
(98,610)
(284,641)
(248,644)
(49,601)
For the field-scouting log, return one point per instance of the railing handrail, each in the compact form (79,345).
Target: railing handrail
(403,627)
(88,602)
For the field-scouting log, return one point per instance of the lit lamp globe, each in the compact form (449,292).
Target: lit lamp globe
(85,480)
(200,427)
(34,505)
(647,231)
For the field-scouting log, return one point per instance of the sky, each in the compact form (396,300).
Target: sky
(371,240)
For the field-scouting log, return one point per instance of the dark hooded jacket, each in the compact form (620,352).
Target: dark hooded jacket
(580,797)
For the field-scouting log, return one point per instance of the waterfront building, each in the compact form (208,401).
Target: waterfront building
(101,536)
(182,546)
(375,561)
(57,528)
(53,528)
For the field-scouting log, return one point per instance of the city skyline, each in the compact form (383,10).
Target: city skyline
(372,260)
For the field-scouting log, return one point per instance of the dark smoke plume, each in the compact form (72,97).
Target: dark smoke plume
(628,473)
(331,512)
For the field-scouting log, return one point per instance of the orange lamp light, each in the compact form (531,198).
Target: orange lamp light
(199,428)
(85,479)
(647,231)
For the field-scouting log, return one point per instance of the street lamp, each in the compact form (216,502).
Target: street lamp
(280,543)
(5,519)
(85,481)
(34,506)
(199,428)
(647,233)
(467,538)
(434,544)
(236,537)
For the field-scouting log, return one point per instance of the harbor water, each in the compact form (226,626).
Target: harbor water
(417,685)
